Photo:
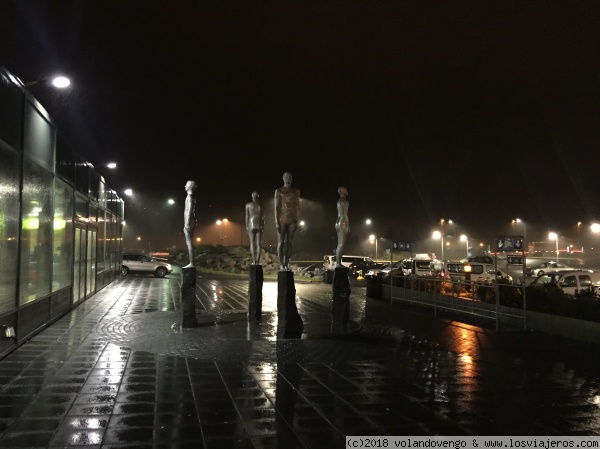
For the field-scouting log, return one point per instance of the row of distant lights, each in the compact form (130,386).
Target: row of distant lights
(594,227)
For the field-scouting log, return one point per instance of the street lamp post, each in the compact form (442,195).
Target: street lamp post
(58,81)
(518,220)
(464,238)
(219,223)
(373,238)
(437,235)
(554,236)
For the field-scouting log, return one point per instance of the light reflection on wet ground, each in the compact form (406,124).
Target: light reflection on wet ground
(120,370)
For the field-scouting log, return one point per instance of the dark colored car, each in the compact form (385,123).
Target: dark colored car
(362,267)
(384,270)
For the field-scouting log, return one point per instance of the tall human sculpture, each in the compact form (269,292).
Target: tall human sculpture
(342,225)
(255,224)
(287,211)
(189,220)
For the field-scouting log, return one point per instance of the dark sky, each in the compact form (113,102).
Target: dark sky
(474,111)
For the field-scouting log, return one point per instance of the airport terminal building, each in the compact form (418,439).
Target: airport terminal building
(61,226)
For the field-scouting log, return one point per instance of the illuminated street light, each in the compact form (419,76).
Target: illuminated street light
(58,81)
(518,220)
(437,235)
(219,223)
(368,221)
(372,239)
(554,236)
(595,228)
(464,238)
(171,201)
(111,165)
(128,192)
(302,223)
(450,222)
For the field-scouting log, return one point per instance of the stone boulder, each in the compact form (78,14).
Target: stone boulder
(236,259)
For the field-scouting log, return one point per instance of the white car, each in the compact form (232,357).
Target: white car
(144,264)
(570,282)
(545,267)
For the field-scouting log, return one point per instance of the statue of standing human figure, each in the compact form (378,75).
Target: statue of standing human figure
(342,225)
(287,212)
(255,224)
(189,220)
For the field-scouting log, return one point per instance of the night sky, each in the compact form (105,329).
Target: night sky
(473,111)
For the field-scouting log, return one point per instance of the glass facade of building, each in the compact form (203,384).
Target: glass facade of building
(60,224)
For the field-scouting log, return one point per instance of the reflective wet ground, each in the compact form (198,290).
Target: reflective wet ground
(119,371)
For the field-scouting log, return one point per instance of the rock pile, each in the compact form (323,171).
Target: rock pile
(237,260)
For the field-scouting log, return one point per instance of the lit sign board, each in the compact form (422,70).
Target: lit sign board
(505,243)
(514,260)
(402,246)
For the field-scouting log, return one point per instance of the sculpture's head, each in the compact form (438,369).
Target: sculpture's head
(255,196)
(342,191)
(287,177)
(190,185)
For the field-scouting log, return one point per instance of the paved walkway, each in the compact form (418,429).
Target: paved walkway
(119,372)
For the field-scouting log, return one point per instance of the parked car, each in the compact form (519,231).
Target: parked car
(372,272)
(140,263)
(329,262)
(546,267)
(570,282)
(364,267)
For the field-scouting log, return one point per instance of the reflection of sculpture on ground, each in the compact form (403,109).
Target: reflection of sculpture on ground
(255,224)
(287,211)
(189,220)
(342,225)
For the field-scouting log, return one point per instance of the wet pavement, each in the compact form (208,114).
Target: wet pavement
(120,372)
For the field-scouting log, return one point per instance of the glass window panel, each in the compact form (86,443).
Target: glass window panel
(101,248)
(90,261)
(93,215)
(65,160)
(81,208)
(76,264)
(82,265)
(10,162)
(82,178)
(102,194)
(36,232)
(39,136)
(94,184)
(11,110)
(63,236)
